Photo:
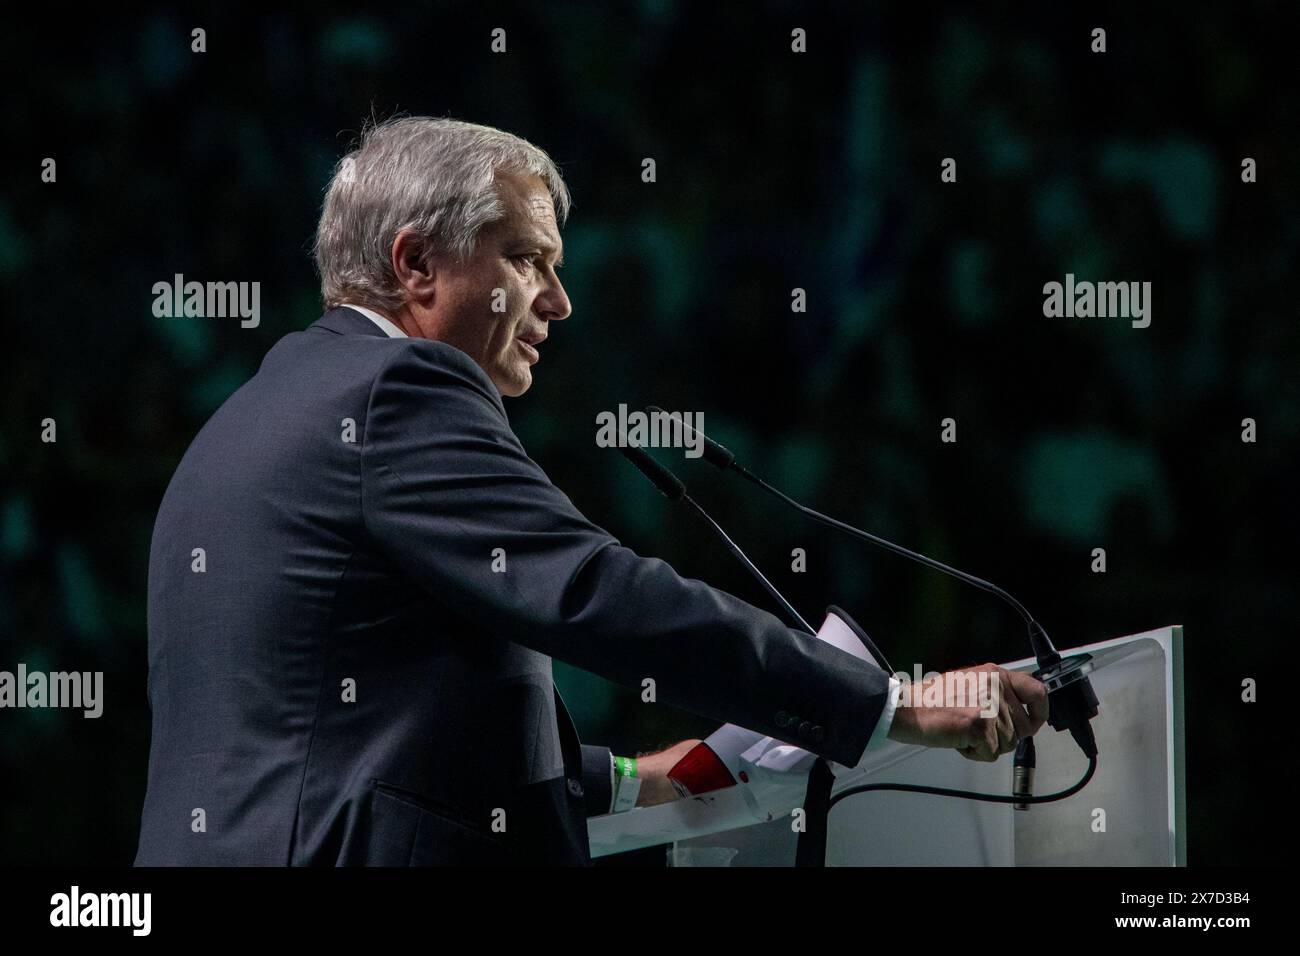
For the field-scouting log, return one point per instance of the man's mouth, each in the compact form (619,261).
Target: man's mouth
(528,344)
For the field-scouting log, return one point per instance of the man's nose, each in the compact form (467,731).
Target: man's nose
(553,304)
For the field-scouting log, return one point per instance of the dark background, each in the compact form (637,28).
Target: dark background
(775,171)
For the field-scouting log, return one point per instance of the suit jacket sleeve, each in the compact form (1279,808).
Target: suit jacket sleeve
(597,779)
(445,484)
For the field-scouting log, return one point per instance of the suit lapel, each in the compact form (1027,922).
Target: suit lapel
(570,745)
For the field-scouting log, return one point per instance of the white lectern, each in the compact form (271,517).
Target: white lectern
(1132,813)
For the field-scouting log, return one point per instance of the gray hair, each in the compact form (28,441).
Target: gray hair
(434,176)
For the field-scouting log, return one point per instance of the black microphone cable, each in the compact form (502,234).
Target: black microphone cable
(1022,798)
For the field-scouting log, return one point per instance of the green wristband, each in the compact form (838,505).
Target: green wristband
(627,786)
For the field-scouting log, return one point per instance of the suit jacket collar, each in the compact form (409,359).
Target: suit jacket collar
(345,321)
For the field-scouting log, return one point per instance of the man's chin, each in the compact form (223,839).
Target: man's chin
(516,383)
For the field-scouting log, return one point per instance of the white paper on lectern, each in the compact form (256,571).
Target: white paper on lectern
(777,771)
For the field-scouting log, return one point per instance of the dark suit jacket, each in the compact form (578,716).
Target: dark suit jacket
(340,676)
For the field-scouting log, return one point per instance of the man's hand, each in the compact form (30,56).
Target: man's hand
(653,770)
(928,714)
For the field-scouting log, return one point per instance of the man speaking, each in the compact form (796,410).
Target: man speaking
(340,672)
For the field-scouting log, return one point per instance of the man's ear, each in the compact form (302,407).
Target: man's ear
(413,266)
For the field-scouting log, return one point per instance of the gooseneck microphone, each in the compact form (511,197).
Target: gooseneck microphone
(812,842)
(674,489)
(1073,702)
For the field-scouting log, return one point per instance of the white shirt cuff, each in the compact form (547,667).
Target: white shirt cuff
(613,782)
(881,732)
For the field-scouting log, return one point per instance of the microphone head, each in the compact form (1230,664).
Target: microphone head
(717,455)
(1071,700)
(668,484)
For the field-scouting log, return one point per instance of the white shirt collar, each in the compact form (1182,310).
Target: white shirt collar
(391,330)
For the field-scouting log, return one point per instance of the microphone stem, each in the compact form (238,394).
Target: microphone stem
(735,549)
(1041,643)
